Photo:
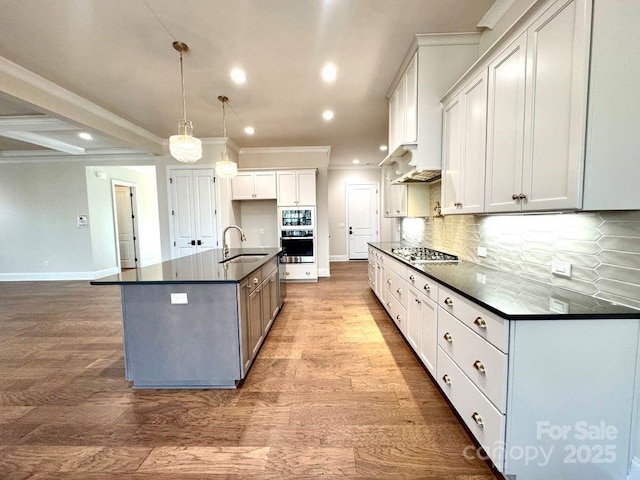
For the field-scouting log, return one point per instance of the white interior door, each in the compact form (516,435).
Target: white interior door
(362,218)
(126,230)
(193,211)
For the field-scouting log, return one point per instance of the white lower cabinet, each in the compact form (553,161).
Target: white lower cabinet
(517,383)
(484,420)
(301,271)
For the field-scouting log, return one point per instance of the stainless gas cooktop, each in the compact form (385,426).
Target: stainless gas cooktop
(423,255)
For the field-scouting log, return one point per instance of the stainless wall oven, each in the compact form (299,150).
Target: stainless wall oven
(298,245)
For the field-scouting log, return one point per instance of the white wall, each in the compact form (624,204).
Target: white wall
(300,157)
(103,234)
(38,207)
(338,179)
(259,222)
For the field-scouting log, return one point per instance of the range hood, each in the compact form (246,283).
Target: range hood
(408,170)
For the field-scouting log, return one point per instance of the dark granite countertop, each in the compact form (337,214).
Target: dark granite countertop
(202,267)
(511,296)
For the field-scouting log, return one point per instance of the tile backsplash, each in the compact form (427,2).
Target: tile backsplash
(603,248)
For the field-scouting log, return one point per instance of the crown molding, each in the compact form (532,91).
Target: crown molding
(259,150)
(353,167)
(45,95)
(49,157)
(495,13)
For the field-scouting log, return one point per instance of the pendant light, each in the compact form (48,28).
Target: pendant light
(184,147)
(225,168)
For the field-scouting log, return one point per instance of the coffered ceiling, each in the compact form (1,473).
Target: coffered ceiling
(118,55)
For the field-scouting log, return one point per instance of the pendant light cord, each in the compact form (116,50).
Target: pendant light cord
(184,101)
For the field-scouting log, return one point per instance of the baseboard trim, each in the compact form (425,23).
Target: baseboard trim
(338,258)
(53,276)
(324,272)
(634,472)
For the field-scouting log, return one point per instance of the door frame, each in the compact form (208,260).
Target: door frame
(172,235)
(134,208)
(346,215)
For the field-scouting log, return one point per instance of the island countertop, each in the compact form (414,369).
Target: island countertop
(204,267)
(512,296)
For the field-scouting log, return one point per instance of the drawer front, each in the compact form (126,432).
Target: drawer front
(397,313)
(301,271)
(427,286)
(489,326)
(255,279)
(483,419)
(483,363)
(395,265)
(397,286)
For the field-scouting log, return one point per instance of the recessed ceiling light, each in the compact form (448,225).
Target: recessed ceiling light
(327,115)
(238,75)
(355,161)
(85,136)
(329,72)
(383,148)
(249,130)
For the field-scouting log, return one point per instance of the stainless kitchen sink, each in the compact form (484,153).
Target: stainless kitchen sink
(244,258)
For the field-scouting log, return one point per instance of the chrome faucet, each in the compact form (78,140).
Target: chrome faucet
(225,247)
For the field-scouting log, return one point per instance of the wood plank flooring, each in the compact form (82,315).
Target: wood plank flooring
(335,393)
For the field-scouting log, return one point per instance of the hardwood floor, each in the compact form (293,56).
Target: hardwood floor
(334,393)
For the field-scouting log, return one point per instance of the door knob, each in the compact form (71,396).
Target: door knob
(199,242)
(193,242)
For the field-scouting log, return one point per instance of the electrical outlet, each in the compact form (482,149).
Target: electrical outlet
(179,299)
(481,278)
(561,268)
(559,306)
(482,252)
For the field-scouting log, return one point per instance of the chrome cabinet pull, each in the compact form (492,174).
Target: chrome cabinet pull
(256,281)
(427,288)
(447,336)
(412,278)
(522,196)
(389,281)
(514,196)
(480,322)
(417,301)
(479,366)
(399,291)
(398,318)
(446,379)
(478,419)
(448,301)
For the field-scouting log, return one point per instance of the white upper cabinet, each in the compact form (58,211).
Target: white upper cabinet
(465,126)
(555,109)
(505,128)
(296,187)
(403,108)
(535,115)
(257,185)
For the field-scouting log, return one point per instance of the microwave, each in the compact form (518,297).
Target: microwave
(296,217)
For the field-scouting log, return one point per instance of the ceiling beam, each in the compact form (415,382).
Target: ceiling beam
(41,140)
(33,123)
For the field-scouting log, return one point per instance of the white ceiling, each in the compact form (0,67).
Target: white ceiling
(117,55)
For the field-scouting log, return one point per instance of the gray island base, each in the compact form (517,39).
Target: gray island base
(198,321)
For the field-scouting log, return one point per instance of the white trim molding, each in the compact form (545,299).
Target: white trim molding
(324,272)
(339,258)
(634,472)
(260,150)
(52,276)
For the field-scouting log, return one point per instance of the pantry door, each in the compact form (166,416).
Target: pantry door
(362,218)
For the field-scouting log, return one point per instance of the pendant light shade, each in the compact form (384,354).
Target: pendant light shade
(184,147)
(225,168)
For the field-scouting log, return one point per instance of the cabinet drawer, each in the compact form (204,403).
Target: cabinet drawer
(483,419)
(397,312)
(301,271)
(427,286)
(397,286)
(395,265)
(483,363)
(484,323)
(254,279)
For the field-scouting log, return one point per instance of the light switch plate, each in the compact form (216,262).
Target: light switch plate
(179,299)
(482,252)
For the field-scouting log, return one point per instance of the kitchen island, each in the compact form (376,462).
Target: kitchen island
(198,321)
(544,379)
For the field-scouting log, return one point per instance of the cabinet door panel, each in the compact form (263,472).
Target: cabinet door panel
(411,102)
(306,188)
(286,189)
(474,101)
(505,128)
(264,185)
(452,151)
(242,186)
(429,333)
(554,118)
(255,320)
